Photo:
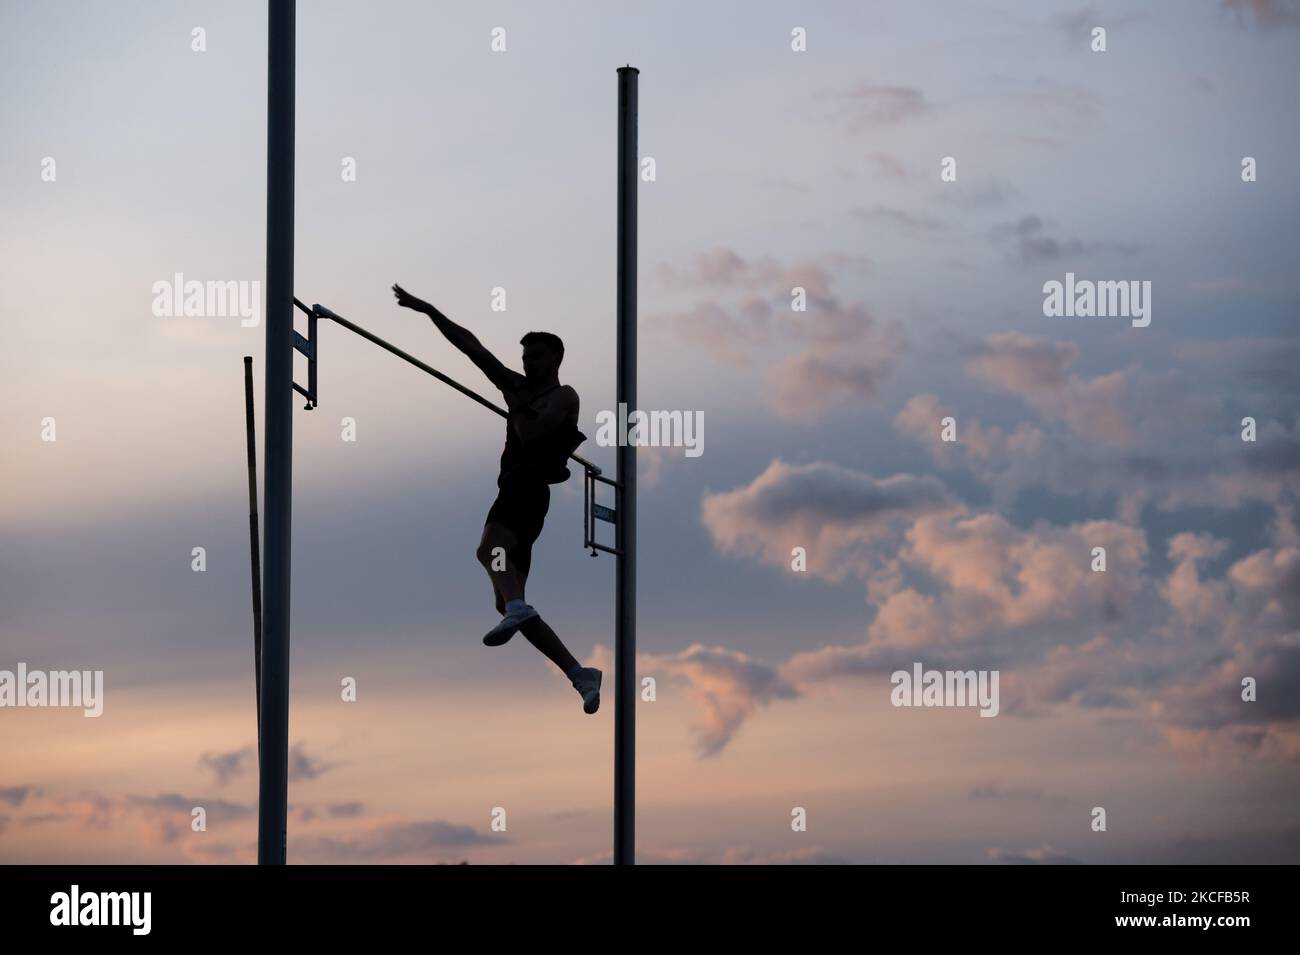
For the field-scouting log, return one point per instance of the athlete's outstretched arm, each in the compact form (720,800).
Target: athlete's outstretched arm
(501,376)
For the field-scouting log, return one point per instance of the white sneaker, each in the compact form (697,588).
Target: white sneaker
(587,682)
(508,625)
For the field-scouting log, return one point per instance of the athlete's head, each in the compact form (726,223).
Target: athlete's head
(543,353)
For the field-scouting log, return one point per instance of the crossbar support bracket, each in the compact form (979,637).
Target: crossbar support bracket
(307,346)
(592,512)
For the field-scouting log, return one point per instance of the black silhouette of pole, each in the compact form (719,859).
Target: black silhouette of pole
(253,545)
(273,741)
(625,689)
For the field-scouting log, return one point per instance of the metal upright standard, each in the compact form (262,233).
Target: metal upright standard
(273,736)
(625,492)
(271,610)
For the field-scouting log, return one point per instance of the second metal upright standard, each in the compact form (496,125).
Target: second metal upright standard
(625,689)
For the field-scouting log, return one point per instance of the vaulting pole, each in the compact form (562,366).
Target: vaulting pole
(273,782)
(254,545)
(625,689)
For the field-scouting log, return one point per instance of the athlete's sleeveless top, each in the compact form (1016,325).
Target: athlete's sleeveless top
(544,460)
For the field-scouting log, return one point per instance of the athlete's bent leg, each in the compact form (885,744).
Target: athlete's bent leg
(493,553)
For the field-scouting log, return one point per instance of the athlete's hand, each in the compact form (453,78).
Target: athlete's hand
(406,300)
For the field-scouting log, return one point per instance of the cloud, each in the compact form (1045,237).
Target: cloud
(812,855)
(1045,102)
(966,588)
(848,355)
(981,194)
(921,420)
(90,809)
(868,106)
(1214,701)
(1250,620)
(888,166)
(168,816)
(1031,244)
(1010,461)
(722,268)
(233,764)
(207,852)
(829,323)
(1035,370)
(961,588)
(729,336)
(305,812)
(14,795)
(1193,601)
(424,840)
(1043,855)
(974,575)
(729,686)
(1270,578)
(1170,460)
(1266,365)
(1020,364)
(995,791)
(652,461)
(829,510)
(303,766)
(1265,14)
(1213,286)
(1169,437)
(1076,26)
(229,765)
(906,221)
(989,579)
(162,819)
(805,386)
(732,855)
(840,352)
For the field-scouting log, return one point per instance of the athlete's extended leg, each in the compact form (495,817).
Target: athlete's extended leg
(586,680)
(540,635)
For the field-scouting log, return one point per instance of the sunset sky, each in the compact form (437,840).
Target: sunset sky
(821,429)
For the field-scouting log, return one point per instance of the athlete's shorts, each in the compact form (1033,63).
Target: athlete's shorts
(521,507)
